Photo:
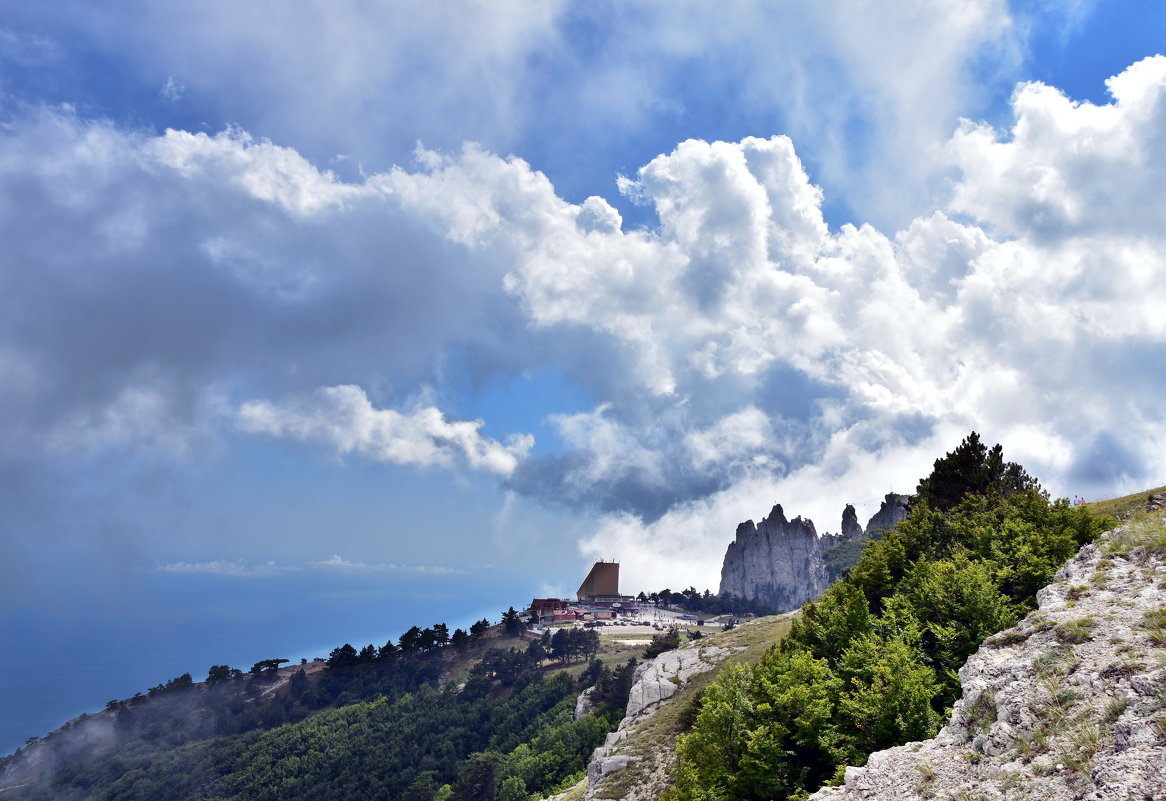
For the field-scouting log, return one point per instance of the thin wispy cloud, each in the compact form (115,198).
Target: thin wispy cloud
(172,90)
(337,562)
(243,568)
(225,567)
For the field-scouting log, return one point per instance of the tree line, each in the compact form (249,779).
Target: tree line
(692,600)
(554,760)
(564,646)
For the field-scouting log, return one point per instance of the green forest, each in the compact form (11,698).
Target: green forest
(375,723)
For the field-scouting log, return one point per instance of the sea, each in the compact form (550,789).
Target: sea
(76,653)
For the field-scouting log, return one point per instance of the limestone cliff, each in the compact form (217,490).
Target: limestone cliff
(785,562)
(779,561)
(851,530)
(891,511)
(1070,704)
(655,681)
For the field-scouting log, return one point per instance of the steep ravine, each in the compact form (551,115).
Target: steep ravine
(1069,704)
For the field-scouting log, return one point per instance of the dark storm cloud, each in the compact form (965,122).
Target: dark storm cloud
(118,273)
(141,302)
(1107,461)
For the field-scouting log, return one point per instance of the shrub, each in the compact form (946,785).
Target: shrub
(1076,631)
(665,641)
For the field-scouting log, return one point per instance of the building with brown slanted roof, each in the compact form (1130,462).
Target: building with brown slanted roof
(601,584)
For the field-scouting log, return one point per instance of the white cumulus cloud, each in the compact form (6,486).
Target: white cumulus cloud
(1069,168)
(737,353)
(344,419)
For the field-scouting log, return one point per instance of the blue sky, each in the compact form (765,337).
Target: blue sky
(320,320)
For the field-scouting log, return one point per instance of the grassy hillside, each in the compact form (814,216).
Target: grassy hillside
(1123,507)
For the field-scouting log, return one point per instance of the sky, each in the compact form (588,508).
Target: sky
(321,320)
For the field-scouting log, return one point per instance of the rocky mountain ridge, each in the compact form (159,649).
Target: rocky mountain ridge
(786,562)
(1069,704)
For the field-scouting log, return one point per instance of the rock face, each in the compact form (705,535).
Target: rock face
(1070,704)
(779,561)
(661,677)
(891,511)
(585,702)
(851,530)
(782,562)
(653,682)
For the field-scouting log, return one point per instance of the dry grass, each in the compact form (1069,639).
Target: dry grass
(574,793)
(1142,536)
(1154,621)
(1124,506)
(983,713)
(1076,631)
(1057,661)
(1080,746)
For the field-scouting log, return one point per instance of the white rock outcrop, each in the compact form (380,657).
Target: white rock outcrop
(585,702)
(654,681)
(784,562)
(659,678)
(778,561)
(1069,704)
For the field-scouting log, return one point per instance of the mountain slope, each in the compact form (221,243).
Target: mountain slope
(637,760)
(392,726)
(873,663)
(1069,704)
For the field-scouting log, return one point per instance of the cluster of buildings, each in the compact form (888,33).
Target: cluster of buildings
(597,598)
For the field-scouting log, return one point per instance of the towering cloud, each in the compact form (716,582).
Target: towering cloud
(165,289)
